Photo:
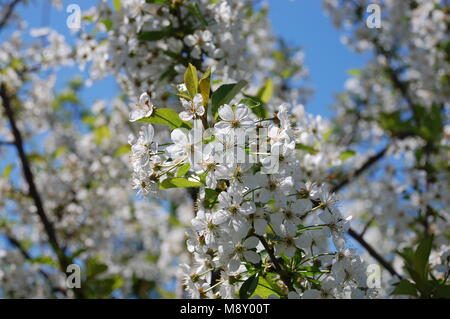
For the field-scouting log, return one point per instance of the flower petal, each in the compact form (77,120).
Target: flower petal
(251,242)
(226,113)
(179,136)
(260,226)
(252,256)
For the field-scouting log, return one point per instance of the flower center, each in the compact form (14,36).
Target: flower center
(234,209)
(272,186)
(211,226)
(240,249)
(234,123)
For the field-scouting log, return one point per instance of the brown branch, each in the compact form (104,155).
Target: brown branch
(16,243)
(8,12)
(359,238)
(7,143)
(366,226)
(32,189)
(401,86)
(367,164)
(275,263)
(373,252)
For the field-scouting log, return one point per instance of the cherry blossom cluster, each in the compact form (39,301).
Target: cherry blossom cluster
(258,215)
(81,170)
(146,44)
(398,106)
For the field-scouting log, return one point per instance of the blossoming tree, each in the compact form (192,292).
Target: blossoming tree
(237,185)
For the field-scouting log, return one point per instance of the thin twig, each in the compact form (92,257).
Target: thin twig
(6,143)
(367,164)
(16,243)
(366,226)
(359,238)
(373,252)
(8,12)
(275,263)
(49,229)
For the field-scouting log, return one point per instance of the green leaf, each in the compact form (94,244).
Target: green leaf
(249,287)
(175,182)
(60,150)
(44,260)
(165,294)
(175,222)
(75,83)
(158,1)
(404,287)
(7,171)
(327,135)
(290,71)
(224,95)
(354,72)
(123,149)
(210,198)
(443,291)
(396,126)
(191,80)
(154,35)
(108,23)
(66,96)
(205,87)
(103,288)
(6,223)
(265,289)
(176,56)
(16,63)
(101,133)
(95,267)
(89,120)
(167,117)
(309,149)
(347,154)
(265,93)
(184,96)
(407,254)
(421,256)
(255,105)
(77,253)
(152,258)
(195,10)
(117,5)
(431,122)
(36,157)
(183,170)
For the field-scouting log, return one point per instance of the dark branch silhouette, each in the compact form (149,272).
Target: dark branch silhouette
(9,9)
(49,229)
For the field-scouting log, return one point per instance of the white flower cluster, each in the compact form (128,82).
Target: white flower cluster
(148,45)
(406,83)
(257,212)
(81,170)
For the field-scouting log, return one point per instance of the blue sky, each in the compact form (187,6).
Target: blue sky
(304,23)
(301,22)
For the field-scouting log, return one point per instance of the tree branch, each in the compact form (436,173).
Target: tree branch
(7,143)
(16,243)
(373,252)
(8,12)
(32,189)
(367,164)
(275,263)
